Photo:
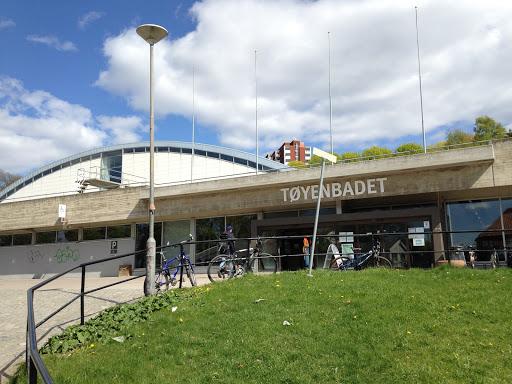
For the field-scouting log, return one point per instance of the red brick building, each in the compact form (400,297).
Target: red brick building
(293,151)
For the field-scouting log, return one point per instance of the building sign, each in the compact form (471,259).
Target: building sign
(349,188)
(113,248)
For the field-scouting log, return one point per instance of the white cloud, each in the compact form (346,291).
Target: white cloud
(6,23)
(374,70)
(36,128)
(53,42)
(88,18)
(122,129)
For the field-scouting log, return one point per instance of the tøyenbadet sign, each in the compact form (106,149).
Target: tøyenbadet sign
(348,188)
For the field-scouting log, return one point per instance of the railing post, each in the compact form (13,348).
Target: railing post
(181,264)
(82,298)
(31,368)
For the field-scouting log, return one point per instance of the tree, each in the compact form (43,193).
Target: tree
(7,178)
(316,161)
(297,164)
(487,129)
(349,157)
(409,148)
(458,136)
(378,152)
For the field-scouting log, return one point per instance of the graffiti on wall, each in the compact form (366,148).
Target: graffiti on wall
(67,254)
(34,257)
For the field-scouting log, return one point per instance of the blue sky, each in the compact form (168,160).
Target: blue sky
(75,75)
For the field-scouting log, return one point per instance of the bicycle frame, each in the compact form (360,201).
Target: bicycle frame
(357,262)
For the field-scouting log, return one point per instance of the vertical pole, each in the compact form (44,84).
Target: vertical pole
(181,264)
(82,299)
(256,98)
(419,75)
(320,193)
(330,98)
(193,117)
(151,243)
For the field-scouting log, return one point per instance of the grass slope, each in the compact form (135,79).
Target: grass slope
(446,325)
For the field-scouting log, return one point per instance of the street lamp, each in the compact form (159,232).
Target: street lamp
(152,34)
(325,156)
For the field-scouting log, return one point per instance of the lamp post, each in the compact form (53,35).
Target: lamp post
(325,156)
(152,34)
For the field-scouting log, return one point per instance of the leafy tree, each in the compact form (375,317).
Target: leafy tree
(297,164)
(458,136)
(349,157)
(7,178)
(487,129)
(439,146)
(316,161)
(378,152)
(409,148)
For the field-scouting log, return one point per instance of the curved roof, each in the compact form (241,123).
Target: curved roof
(206,150)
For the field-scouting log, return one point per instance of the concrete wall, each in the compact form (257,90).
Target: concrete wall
(44,260)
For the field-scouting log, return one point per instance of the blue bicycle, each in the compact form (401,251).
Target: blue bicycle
(166,277)
(372,259)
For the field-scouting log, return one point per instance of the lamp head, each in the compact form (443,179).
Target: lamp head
(152,33)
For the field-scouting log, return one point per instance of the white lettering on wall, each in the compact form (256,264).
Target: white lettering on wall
(355,188)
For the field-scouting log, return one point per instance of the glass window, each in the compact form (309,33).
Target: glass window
(186,150)
(22,239)
(279,215)
(119,231)
(67,236)
(5,240)
(45,237)
(141,238)
(208,229)
(199,152)
(475,216)
(94,233)
(312,212)
(175,232)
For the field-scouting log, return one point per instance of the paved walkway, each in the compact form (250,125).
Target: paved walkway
(13,310)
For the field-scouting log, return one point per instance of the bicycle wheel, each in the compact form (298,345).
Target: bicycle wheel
(220,268)
(191,275)
(340,263)
(264,263)
(161,283)
(379,262)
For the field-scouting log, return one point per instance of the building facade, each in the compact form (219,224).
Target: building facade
(294,151)
(417,206)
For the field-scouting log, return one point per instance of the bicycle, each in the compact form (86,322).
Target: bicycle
(164,278)
(495,259)
(227,266)
(371,259)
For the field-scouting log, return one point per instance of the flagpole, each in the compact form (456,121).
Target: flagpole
(419,75)
(193,118)
(256,87)
(330,98)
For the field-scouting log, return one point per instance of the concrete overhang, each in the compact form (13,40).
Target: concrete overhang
(401,164)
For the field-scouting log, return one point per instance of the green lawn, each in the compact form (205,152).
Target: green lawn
(445,325)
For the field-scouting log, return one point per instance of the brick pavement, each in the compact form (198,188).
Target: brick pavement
(13,310)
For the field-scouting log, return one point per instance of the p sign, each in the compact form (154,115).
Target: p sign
(113,247)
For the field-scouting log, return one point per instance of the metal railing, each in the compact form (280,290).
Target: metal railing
(35,364)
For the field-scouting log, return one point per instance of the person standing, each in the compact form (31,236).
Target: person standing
(305,251)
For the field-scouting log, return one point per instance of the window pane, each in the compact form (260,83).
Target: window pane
(475,216)
(208,229)
(45,237)
(94,233)
(141,238)
(5,240)
(175,232)
(67,236)
(22,239)
(119,231)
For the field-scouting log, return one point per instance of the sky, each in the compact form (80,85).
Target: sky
(74,76)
